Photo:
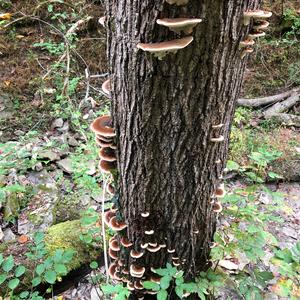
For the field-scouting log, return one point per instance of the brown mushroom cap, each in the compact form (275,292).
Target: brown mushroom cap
(256,34)
(116,225)
(155,279)
(138,285)
(112,254)
(114,245)
(106,87)
(103,143)
(248,50)
(153,249)
(261,24)
(108,215)
(166,46)
(103,126)
(137,271)
(110,189)
(245,43)
(220,191)
(136,254)
(112,270)
(107,166)
(179,24)
(217,207)
(102,20)
(125,242)
(130,286)
(107,154)
(104,138)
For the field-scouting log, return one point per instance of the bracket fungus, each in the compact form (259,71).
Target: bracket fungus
(138,285)
(145,214)
(102,21)
(217,207)
(114,245)
(155,279)
(107,166)
(256,14)
(256,34)
(176,264)
(136,271)
(171,250)
(112,254)
(247,43)
(149,232)
(153,249)
(261,25)
(217,126)
(103,144)
(218,139)
(112,270)
(160,50)
(130,286)
(220,191)
(107,154)
(116,225)
(177,2)
(248,50)
(106,87)
(144,246)
(125,242)
(136,254)
(110,189)
(103,126)
(180,24)
(107,216)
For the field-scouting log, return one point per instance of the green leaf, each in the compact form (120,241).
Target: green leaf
(3,277)
(162,295)
(8,264)
(40,269)
(201,295)
(60,269)
(38,237)
(179,291)
(24,295)
(68,256)
(149,285)
(12,284)
(36,281)
(50,276)
(1,258)
(232,166)
(108,289)
(20,270)
(94,265)
(165,282)
(162,272)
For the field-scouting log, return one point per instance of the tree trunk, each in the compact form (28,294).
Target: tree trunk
(163,113)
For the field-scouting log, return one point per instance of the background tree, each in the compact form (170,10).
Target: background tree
(170,151)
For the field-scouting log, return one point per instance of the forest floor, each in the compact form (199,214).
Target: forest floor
(48,158)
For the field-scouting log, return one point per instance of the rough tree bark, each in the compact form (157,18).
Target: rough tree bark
(163,112)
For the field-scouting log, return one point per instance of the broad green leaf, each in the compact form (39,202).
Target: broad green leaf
(50,276)
(162,295)
(232,165)
(60,269)
(36,281)
(19,271)
(68,256)
(40,269)
(161,272)
(165,282)
(108,289)
(149,285)
(12,284)
(1,258)
(24,295)
(8,264)
(3,277)
(38,237)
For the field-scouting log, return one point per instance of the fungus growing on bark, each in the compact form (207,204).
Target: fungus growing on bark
(218,139)
(171,250)
(125,271)
(261,25)
(149,232)
(247,43)
(130,286)
(136,254)
(138,285)
(155,279)
(218,161)
(107,154)
(251,14)
(213,245)
(153,244)
(177,2)
(217,207)
(145,214)
(107,166)
(106,87)
(125,242)
(112,254)
(107,216)
(112,270)
(220,191)
(102,20)
(160,50)
(136,271)
(180,24)
(153,249)
(110,189)
(114,245)
(103,143)
(247,51)
(144,246)
(217,126)
(103,126)
(256,34)
(176,264)
(116,225)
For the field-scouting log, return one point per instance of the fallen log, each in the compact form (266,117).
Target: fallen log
(287,119)
(261,101)
(280,107)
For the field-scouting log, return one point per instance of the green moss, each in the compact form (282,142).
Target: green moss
(66,236)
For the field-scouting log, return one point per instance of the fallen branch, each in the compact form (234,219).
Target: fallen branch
(257,102)
(282,106)
(287,119)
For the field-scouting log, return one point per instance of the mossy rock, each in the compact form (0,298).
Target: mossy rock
(66,236)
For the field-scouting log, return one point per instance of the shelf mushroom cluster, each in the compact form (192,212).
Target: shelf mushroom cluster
(178,25)
(259,25)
